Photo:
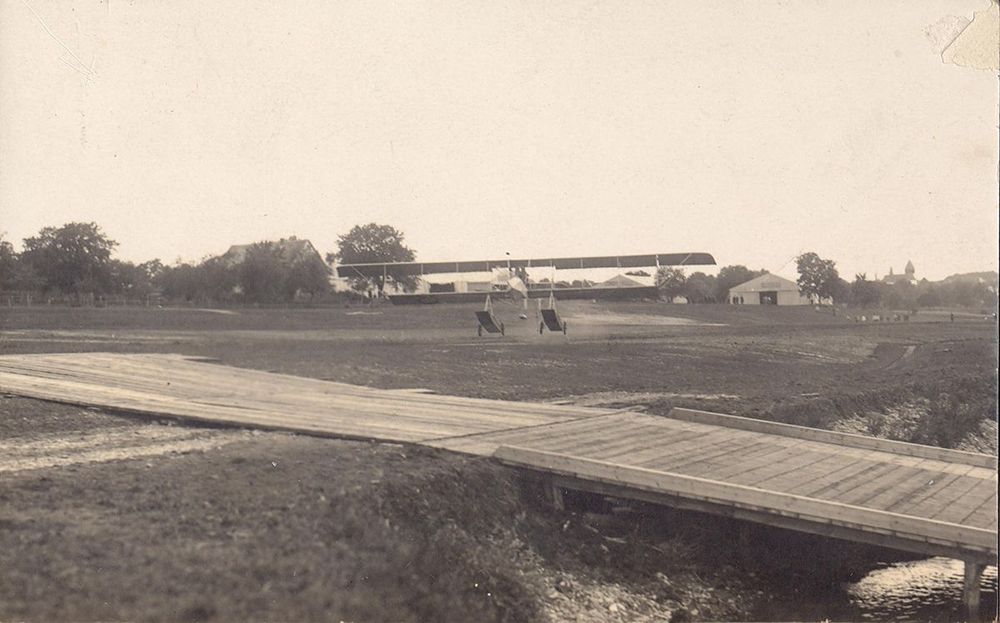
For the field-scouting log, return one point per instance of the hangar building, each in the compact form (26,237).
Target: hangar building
(767,289)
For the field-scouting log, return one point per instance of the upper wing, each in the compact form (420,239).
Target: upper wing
(608,261)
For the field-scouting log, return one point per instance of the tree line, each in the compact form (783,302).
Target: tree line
(77,259)
(820,280)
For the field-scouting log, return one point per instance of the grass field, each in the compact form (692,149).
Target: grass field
(228,525)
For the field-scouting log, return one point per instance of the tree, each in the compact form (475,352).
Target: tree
(841,291)
(817,277)
(217,279)
(732,276)
(309,275)
(670,281)
(700,288)
(930,297)
(263,275)
(900,295)
(183,281)
(73,258)
(865,293)
(374,243)
(8,265)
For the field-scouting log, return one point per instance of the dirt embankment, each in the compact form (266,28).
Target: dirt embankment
(936,394)
(267,526)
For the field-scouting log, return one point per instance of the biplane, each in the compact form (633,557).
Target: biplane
(509,277)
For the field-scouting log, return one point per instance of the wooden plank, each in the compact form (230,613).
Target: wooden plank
(844,439)
(442,423)
(945,501)
(737,459)
(187,375)
(684,448)
(777,467)
(891,481)
(559,440)
(985,515)
(689,449)
(850,466)
(828,464)
(723,453)
(558,436)
(664,441)
(958,510)
(163,405)
(940,482)
(780,503)
(913,485)
(541,434)
(623,439)
(593,443)
(832,490)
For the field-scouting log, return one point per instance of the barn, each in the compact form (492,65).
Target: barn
(767,289)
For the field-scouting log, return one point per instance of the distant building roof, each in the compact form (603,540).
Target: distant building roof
(292,250)
(909,275)
(621,281)
(767,283)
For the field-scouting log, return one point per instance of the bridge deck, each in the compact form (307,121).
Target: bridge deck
(175,385)
(901,495)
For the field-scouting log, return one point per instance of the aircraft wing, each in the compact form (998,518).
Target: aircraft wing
(607,261)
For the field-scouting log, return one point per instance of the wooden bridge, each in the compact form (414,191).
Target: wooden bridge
(909,497)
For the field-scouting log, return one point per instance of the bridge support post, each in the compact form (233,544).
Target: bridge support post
(970,591)
(745,543)
(554,494)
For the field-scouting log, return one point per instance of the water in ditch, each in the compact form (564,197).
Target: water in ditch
(928,590)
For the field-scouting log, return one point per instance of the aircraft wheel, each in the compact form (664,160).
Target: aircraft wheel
(564,328)
(502,329)
(541,328)
(479,330)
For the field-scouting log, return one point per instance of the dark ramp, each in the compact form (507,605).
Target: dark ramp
(487,321)
(551,320)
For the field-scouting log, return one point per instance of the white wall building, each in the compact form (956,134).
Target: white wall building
(768,289)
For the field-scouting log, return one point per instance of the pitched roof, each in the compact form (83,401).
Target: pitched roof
(766,283)
(292,250)
(621,281)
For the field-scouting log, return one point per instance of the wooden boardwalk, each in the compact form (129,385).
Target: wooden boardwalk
(911,497)
(178,386)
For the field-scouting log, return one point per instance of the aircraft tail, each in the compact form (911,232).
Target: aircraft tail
(517,288)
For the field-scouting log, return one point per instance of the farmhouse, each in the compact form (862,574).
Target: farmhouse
(292,250)
(767,289)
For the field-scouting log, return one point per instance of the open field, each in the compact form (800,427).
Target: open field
(108,517)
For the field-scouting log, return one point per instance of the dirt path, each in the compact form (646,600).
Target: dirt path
(59,449)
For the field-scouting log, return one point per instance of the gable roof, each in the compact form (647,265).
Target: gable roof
(292,250)
(767,283)
(621,281)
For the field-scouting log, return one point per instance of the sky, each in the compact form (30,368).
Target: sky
(754,131)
